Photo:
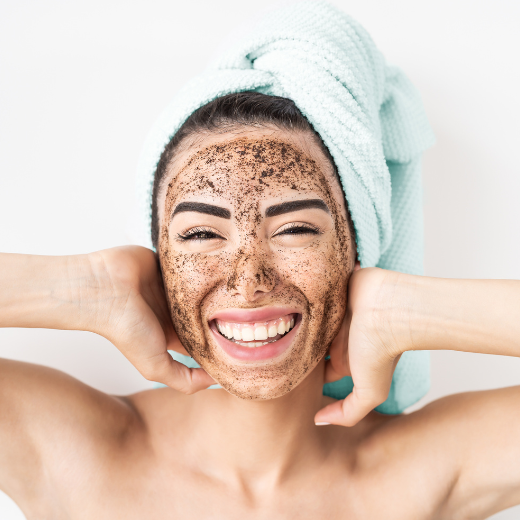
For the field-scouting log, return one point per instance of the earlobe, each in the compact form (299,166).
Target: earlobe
(357,267)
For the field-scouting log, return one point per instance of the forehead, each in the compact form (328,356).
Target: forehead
(251,165)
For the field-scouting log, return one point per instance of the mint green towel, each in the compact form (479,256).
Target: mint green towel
(368,114)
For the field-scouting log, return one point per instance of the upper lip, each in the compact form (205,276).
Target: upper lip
(259,314)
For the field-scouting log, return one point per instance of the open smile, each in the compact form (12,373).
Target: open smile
(265,337)
(255,335)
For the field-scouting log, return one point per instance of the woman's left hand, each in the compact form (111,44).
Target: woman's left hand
(368,345)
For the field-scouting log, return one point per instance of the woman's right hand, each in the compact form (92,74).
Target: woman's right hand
(124,301)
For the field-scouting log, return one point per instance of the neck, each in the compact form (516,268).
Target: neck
(259,443)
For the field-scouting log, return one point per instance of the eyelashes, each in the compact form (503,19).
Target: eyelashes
(198,234)
(201,234)
(299,229)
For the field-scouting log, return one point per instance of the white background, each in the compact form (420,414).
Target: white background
(81,83)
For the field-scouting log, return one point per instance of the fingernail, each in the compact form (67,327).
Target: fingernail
(322,423)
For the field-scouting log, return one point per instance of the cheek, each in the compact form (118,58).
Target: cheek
(314,272)
(322,276)
(188,278)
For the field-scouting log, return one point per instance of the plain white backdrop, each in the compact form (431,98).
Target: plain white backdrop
(81,83)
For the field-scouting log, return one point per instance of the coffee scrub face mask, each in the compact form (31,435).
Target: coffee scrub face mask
(256,251)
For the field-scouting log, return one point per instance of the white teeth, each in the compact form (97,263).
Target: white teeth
(253,344)
(254,335)
(248,334)
(229,332)
(261,332)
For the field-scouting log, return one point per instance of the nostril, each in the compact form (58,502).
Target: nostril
(250,276)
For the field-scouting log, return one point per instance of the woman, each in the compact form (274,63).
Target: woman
(256,250)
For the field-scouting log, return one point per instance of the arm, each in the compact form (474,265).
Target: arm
(116,293)
(481,316)
(390,313)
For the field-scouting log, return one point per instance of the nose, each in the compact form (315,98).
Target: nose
(251,277)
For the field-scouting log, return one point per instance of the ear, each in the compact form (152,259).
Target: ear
(357,267)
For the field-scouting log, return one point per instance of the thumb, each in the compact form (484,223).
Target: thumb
(368,393)
(162,368)
(338,364)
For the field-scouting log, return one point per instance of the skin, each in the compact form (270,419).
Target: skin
(68,451)
(247,261)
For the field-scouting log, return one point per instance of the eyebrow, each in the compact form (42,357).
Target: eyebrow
(295,205)
(200,207)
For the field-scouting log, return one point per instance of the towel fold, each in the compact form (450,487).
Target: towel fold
(367,113)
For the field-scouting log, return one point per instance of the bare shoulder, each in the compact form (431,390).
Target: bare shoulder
(432,427)
(46,398)
(445,452)
(51,424)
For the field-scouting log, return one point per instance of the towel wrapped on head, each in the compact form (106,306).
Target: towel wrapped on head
(369,116)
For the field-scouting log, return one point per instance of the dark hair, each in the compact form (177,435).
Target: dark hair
(225,113)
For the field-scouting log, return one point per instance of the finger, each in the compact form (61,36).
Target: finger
(331,374)
(338,365)
(173,342)
(196,379)
(164,369)
(163,315)
(363,399)
(349,411)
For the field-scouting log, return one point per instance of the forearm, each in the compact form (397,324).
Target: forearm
(481,316)
(43,291)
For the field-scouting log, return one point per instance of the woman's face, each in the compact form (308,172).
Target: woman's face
(256,252)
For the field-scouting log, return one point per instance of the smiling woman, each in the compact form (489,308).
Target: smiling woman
(254,227)
(291,152)
(253,276)
(364,132)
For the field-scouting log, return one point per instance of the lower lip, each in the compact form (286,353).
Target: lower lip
(271,350)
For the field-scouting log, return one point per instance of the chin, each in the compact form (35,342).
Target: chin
(269,380)
(260,389)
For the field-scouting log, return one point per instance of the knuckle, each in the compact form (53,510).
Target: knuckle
(379,397)
(183,386)
(163,372)
(181,382)
(372,397)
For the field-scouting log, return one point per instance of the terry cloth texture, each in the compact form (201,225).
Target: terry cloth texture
(367,113)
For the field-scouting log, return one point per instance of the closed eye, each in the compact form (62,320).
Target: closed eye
(299,229)
(198,234)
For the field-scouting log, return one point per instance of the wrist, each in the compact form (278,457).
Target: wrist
(114,277)
(421,312)
(399,311)
(415,301)
(66,281)
(97,293)
(39,291)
